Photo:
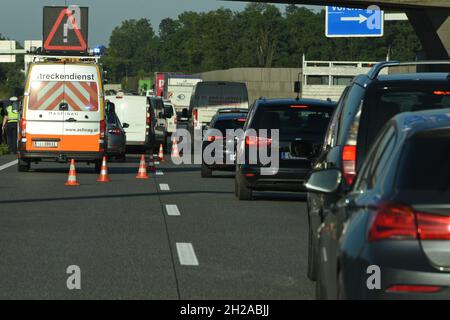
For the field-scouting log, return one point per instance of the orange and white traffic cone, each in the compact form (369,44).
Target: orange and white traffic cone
(151,164)
(104,177)
(142,173)
(175,152)
(72,180)
(161,153)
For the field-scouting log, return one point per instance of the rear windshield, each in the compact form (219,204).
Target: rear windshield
(228,124)
(220,94)
(425,164)
(292,119)
(384,103)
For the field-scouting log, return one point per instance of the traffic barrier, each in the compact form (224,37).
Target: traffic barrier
(142,173)
(72,179)
(161,153)
(151,164)
(175,152)
(104,177)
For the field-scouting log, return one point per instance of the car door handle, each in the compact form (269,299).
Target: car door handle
(71,120)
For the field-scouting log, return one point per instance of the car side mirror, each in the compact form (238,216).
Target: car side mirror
(297,87)
(324,181)
(125,125)
(302,149)
(160,115)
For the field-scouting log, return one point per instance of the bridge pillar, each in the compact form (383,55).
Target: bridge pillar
(433,29)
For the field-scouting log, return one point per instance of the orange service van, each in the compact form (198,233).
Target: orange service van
(63,113)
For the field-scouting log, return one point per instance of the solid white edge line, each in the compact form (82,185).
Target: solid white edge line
(186,254)
(172,210)
(164,187)
(7,165)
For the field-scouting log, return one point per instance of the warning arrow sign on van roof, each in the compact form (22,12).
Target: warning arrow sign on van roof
(65,29)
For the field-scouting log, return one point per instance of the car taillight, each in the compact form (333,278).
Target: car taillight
(114,131)
(23,127)
(433,227)
(148,119)
(195,115)
(349,164)
(413,288)
(214,138)
(175,120)
(398,221)
(102,129)
(257,141)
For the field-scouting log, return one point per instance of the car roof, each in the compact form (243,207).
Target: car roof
(364,80)
(410,123)
(293,101)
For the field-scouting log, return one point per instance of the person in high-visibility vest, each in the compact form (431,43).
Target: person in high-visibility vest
(2,114)
(10,123)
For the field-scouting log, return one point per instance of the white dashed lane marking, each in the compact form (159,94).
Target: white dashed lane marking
(7,165)
(186,254)
(172,210)
(159,173)
(164,187)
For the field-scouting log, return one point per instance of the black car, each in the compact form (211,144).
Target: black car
(300,123)
(231,120)
(116,145)
(366,105)
(394,224)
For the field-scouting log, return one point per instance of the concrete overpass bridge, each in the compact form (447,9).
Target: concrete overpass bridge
(429,18)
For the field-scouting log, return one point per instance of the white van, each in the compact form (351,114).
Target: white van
(133,110)
(63,113)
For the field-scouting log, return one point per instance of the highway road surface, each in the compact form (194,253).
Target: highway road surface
(174,236)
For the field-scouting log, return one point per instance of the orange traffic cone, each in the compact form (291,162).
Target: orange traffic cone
(72,180)
(142,173)
(161,153)
(151,164)
(104,177)
(175,152)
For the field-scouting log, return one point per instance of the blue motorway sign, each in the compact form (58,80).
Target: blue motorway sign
(343,22)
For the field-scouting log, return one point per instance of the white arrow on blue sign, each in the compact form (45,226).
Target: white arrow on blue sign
(343,22)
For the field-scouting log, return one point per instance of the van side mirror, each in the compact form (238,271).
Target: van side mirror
(324,181)
(297,87)
(185,113)
(160,115)
(125,125)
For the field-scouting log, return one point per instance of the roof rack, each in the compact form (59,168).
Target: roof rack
(376,69)
(65,58)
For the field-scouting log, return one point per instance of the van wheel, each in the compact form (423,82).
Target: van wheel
(206,172)
(24,165)
(243,192)
(98,166)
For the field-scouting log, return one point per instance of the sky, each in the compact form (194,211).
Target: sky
(22,19)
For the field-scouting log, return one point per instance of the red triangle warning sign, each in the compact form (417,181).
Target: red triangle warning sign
(63,33)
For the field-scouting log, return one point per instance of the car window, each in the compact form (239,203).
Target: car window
(229,124)
(425,163)
(332,131)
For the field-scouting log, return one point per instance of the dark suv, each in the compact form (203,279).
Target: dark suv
(301,124)
(366,105)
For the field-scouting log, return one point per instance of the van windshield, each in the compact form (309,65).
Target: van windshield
(48,95)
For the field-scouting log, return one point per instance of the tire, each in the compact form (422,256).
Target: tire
(312,258)
(206,172)
(24,165)
(319,294)
(243,192)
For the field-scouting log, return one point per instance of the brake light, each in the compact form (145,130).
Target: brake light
(299,106)
(442,93)
(241,120)
(148,119)
(214,138)
(23,127)
(413,288)
(102,129)
(257,141)
(349,164)
(398,221)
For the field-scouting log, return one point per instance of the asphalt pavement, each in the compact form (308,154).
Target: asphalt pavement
(173,236)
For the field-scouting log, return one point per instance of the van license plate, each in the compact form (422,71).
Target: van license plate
(45,144)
